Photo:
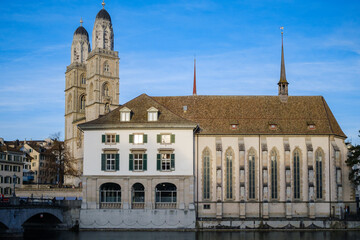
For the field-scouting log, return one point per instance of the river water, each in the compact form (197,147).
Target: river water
(221,235)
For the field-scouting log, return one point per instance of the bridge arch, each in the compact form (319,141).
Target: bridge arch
(44,216)
(42,219)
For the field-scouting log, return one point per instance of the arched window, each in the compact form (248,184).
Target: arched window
(206,174)
(319,177)
(251,167)
(138,195)
(106,67)
(83,79)
(105,90)
(110,195)
(274,173)
(296,175)
(165,195)
(229,173)
(82,103)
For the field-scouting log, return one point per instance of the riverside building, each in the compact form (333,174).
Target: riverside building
(169,162)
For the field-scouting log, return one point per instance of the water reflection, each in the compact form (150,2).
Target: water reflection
(224,235)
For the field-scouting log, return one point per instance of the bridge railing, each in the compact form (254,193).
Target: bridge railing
(27,202)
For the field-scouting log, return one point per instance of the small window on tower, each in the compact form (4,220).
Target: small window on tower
(106,67)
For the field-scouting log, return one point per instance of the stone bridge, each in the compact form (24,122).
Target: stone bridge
(38,213)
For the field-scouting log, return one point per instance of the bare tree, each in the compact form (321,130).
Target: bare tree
(59,162)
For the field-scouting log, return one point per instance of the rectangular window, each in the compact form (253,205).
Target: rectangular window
(206,206)
(166,138)
(2,156)
(7,167)
(10,157)
(125,116)
(152,116)
(166,162)
(138,162)
(110,138)
(138,139)
(109,161)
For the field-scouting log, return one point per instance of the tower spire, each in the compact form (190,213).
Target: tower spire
(194,87)
(81,22)
(283,83)
(282,70)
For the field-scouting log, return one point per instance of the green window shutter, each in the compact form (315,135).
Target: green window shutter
(145,162)
(116,162)
(172,138)
(117,138)
(131,162)
(145,138)
(103,161)
(172,161)
(158,162)
(158,138)
(131,138)
(103,138)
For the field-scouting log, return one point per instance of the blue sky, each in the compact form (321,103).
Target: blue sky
(237,46)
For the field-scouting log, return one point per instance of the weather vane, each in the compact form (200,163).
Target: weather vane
(103,4)
(81,21)
(282,30)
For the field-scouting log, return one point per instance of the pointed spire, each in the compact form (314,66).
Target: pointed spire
(283,84)
(81,21)
(282,70)
(103,4)
(194,87)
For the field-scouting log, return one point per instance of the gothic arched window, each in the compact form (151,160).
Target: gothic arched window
(229,173)
(82,79)
(319,172)
(206,174)
(82,103)
(296,175)
(274,173)
(251,167)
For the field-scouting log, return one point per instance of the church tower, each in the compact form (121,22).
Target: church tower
(102,69)
(283,84)
(91,83)
(75,95)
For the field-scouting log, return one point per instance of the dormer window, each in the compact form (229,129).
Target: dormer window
(311,126)
(125,114)
(152,114)
(273,126)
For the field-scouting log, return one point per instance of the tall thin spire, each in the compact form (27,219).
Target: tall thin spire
(194,87)
(283,83)
(282,70)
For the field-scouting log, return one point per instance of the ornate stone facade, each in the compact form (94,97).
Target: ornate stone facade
(91,83)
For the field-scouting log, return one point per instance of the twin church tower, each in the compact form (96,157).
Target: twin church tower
(92,80)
